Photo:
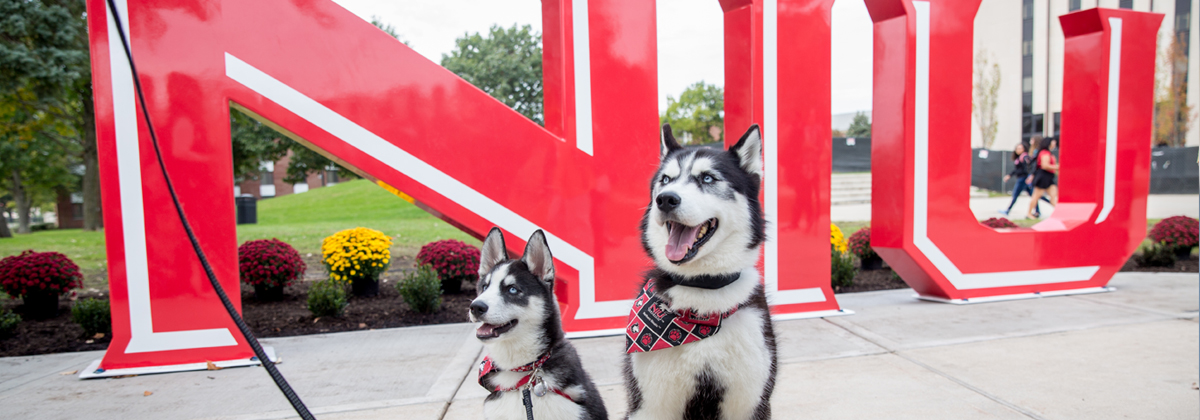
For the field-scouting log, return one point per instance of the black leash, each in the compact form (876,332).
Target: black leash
(525,399)
(212,278)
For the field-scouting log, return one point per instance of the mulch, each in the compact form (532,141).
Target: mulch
(290,316)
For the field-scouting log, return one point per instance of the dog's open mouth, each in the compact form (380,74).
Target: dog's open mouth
(684,241)
(487,331)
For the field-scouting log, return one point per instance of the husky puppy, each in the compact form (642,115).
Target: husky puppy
(699,342)
(528,354)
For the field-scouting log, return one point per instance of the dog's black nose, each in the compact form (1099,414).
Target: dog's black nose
(478,308)
(667,201)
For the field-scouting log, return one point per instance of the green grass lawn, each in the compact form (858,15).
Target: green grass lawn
(301,220)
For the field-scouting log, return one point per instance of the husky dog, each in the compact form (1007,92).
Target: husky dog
(528,354)
(699,341)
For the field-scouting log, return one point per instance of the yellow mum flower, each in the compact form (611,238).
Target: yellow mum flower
(836,239)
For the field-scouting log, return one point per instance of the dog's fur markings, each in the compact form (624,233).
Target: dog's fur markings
(520,317)
(706,200)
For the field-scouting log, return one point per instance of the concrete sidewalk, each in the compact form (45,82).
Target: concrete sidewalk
(1126,354)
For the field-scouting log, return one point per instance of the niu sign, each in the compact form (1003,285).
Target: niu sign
(339,85)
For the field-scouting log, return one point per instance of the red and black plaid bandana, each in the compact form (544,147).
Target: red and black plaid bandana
(654,326)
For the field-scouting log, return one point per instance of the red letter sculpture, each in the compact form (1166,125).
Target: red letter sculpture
(922,225)
(334,82)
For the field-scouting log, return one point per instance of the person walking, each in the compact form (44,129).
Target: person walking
(1045,176)
(1023,172)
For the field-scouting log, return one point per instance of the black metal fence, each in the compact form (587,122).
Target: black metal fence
(851,154)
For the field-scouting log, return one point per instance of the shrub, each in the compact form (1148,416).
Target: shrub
(93,315)
(269,262)
(860,244)
(453,260)
(999,223)
(1176,232)
(38,272)
(841,267)
(1156,255)
(421,289)
(836,239)
(327,298)
(8,322)
(356,254)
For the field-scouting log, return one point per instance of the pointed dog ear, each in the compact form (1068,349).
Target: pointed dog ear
(492,253)
(537,257)
(748,151)
(668,141)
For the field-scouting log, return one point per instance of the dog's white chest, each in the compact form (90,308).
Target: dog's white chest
(550,406)
(736,357)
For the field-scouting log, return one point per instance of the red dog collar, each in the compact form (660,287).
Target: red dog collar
(531,380)
(654,326)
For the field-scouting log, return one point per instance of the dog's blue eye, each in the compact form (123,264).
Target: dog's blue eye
(708,179)
(665,179)
(512,290)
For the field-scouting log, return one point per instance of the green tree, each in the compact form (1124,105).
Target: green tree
(507,64)
(40,60)
(1173,117)
(698,116)
(253,143)
(986,95)
(860,126)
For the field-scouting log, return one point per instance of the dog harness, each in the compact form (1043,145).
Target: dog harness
(654,326)
(531,381)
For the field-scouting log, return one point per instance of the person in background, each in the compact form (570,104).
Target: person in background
(1045,175)
(1023,172)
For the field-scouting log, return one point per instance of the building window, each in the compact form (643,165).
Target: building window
(1027,10)
(1057,124)
(1027,84)
(1126,4)
(266,178)
(1074,5)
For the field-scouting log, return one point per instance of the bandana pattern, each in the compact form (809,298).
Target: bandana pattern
(654,326)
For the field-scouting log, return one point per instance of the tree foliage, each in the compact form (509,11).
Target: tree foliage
(860,126)
(698,116)
(507,64)
(987,92)
(253,143)
(41,58)
(1173,117)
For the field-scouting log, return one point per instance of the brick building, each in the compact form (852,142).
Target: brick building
(270,183)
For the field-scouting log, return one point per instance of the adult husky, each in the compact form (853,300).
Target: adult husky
(528,356)
(699,342)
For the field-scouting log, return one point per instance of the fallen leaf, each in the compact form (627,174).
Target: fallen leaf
(123,376)
(90,341)
(362,325)
(212,366)
(211,377)
(147,394)
(98,336)
(69,373)
(316,319)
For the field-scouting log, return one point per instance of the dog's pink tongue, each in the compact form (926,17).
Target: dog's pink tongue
(485,330)
(679,241)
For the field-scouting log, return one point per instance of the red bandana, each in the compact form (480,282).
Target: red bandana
(489,366)
(654,326)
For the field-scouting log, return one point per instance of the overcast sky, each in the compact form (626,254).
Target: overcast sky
(689,49)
